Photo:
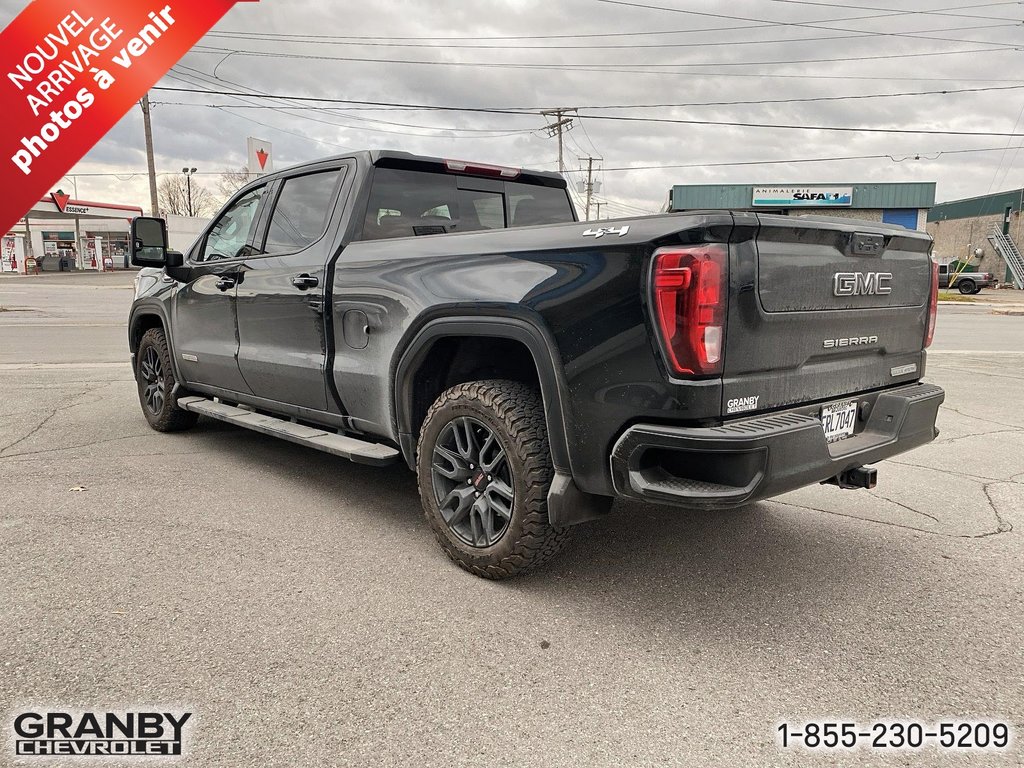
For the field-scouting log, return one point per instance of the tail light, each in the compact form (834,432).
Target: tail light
(933,305)
(690,286)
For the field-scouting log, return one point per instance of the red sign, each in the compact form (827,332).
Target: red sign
(70,69)
(60,200)
(261,155)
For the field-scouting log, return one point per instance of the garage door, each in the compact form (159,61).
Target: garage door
(905,217)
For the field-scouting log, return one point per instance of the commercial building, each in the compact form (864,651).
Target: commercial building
(982,233)
(59,233)
(902,203)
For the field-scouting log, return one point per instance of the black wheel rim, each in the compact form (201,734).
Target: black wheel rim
(472,480)
(151,375)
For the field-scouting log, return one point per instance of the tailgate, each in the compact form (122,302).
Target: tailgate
(822,308)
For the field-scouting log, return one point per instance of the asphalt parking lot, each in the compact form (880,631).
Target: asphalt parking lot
(298,605)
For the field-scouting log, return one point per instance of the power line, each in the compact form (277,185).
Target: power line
(798,161)
(378,105)
(438,42)
(822,24)
(185,78)
(492,133)
(681,121)
(589,140)
(794,161)
(593,67)
(760,24)
(1002,157)
(933,12)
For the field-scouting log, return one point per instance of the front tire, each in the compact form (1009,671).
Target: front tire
(484,470)
(967,287)
(154,375)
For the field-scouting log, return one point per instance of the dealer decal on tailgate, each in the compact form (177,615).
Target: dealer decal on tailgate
(740,404)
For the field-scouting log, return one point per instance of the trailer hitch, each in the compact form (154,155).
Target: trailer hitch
(858,477)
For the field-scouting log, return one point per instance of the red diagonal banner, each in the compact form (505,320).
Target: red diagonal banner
(70,69)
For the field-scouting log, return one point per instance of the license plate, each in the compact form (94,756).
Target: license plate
(838,420)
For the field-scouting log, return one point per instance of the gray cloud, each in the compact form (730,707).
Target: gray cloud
(212,139)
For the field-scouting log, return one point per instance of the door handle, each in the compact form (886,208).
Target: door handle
(304,281)
(225,284)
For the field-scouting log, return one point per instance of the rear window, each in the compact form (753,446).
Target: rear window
(302,210)
(408,203)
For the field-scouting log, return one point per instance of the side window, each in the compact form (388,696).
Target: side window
(230,233)
(302,211)
(406,203)
(530,205)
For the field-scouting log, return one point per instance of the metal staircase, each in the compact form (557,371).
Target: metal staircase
(1008,250)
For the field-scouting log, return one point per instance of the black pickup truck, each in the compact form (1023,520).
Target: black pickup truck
(530,367)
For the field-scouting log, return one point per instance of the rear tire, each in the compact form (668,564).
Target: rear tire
(967,287)
(154,375)
(484,470)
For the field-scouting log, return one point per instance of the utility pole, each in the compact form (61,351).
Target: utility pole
(598,210)
(590,185)
(79,250)
(559,124)
(188,183)
(154,203)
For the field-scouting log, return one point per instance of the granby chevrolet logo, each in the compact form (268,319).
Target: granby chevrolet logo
(122,734)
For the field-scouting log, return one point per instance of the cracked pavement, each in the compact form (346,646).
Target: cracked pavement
(298,605)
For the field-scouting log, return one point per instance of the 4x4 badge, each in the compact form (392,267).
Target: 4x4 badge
(602,231)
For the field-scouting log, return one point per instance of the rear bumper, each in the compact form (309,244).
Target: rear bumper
(755,458)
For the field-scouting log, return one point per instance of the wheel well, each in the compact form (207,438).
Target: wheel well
(456,360)
(142,324)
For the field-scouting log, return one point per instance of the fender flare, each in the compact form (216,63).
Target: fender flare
(540,345)
(158,310)
(567,505)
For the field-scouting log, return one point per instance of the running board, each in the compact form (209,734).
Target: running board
(350,448)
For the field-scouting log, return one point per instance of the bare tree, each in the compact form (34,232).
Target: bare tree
(231,181)
(173,194)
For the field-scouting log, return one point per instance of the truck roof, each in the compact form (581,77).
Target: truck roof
(390,158)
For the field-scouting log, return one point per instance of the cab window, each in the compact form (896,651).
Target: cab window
(229,236)
(530,205)
(406,203)
(302,211)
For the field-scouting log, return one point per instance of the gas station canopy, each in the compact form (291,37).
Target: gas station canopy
(61,206)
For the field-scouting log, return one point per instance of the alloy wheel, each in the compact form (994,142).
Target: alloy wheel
(472,481)
(151,371)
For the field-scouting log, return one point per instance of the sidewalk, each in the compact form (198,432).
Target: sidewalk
(84,277)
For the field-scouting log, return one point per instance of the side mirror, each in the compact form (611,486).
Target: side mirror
(176,267)
(149,242)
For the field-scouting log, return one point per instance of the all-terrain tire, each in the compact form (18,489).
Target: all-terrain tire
(154,375)
(514,414)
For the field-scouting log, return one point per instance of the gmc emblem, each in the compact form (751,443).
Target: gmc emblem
(862,283)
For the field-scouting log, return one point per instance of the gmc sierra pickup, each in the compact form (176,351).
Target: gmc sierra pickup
(530,367)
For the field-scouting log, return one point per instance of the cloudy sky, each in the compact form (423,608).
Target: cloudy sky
(760,62)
